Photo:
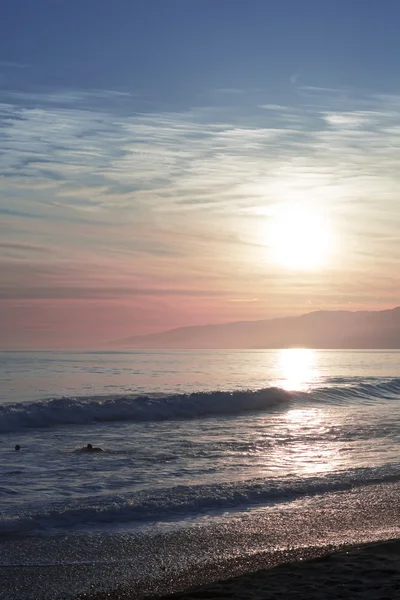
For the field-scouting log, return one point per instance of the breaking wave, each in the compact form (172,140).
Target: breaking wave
(68,411)
(185,501)
(96,409)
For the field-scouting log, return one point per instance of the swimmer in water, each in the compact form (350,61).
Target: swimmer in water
(90,448)
(17,447)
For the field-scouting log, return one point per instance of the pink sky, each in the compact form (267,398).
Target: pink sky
(208,220)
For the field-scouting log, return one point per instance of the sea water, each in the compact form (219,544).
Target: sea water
(189,438)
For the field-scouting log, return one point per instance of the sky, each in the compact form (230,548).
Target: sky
(167,163)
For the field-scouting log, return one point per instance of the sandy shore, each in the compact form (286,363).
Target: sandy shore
(370,572)
(122,565)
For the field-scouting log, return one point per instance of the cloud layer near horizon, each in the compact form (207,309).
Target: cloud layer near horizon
(116,220)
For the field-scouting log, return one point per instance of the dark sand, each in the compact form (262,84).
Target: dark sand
(103,566)
(370,572)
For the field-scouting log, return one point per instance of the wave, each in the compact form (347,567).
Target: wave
(185,501)
(96,409)
(68,411)
(364,390)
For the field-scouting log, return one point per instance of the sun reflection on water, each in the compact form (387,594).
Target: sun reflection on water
(298,368)
(310,450)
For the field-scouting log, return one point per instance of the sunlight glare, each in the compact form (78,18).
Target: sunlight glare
(299,238)
(310,458)
(297,367)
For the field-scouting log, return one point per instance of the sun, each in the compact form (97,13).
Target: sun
(298,238)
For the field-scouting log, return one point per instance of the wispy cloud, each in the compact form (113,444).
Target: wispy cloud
(138,195)
(9,64)
(224,91)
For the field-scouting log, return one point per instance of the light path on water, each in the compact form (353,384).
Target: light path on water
(174,460)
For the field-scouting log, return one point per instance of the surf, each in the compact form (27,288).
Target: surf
(141,408)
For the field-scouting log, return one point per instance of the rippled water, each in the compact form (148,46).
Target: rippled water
(188,434)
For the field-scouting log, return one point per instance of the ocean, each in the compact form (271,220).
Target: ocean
(195,443)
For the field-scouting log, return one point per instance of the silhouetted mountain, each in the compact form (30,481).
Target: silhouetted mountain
(322,329)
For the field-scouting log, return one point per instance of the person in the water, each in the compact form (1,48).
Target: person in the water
(90,448)
(17,447)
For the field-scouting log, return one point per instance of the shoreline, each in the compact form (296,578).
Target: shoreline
(100,566)
(370,572)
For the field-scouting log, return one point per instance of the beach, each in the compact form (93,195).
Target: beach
(360,522)
(371,572)
(202,479)
(199,300)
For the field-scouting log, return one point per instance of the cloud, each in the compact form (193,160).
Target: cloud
(9,64)
(355,119)
(228,91)
(275,107)
(16,250)
(95,293)
(165,198)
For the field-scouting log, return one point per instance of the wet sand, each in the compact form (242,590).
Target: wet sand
(245,555)
(371,572)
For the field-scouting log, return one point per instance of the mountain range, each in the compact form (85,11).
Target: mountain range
(321,329)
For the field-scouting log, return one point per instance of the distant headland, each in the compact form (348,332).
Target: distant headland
(322,329)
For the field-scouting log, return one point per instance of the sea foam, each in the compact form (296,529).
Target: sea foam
(81,410)
(96,409)
(185,501)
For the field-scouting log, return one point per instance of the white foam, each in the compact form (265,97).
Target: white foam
(185,500)
(81,410)
(63,411)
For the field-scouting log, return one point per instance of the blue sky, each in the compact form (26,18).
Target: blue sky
(180,50)
(154,152)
